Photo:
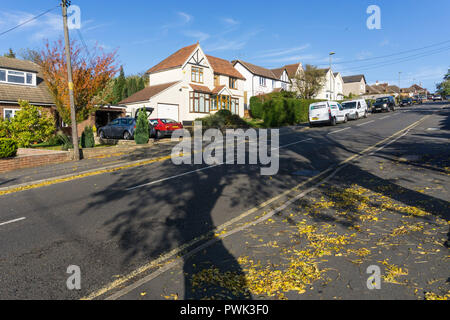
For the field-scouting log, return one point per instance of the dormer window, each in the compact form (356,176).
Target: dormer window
(17,77)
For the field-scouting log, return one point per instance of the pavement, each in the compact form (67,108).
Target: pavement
(160,231)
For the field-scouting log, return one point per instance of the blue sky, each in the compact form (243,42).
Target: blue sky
(267,33)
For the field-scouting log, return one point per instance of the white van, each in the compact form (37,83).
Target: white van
(327,112)
(357,109)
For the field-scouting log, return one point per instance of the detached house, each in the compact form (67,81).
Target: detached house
(22,80)
(189,85)
(355,85)
(260,80)
(328,90)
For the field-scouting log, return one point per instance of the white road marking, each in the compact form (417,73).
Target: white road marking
(12,221)
(385,117)
(363,124)
(204,169)
(339,130)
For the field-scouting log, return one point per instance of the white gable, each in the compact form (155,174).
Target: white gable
(198,58)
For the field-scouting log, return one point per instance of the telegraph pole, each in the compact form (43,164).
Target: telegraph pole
(73,116)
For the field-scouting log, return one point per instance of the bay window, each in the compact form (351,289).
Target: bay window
(200,102)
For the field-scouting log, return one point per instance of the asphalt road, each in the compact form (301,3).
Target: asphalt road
(110,226)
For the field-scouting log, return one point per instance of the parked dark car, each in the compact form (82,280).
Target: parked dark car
(417,100)
(406,102)
(122,128)
(384,104)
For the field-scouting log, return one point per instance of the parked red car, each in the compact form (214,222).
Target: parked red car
(164,127)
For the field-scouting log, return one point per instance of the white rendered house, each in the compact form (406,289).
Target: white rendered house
(260,80)
(189,85)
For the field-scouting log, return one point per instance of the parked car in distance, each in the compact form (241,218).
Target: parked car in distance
(384,104)
(406,102)
(437,98)
(122,128)
(417,100)
(327,112)
(357,109)
(164,127)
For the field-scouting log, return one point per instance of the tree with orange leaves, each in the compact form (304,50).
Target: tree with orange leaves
(91,73)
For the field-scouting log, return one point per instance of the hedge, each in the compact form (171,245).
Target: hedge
(279,110)
(8,148)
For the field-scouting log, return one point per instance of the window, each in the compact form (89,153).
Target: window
(200,102)
(235,106)
(216,80)
(262,81)
(17,77)
(197,75)
(273,83)
(233,83)
(9,113)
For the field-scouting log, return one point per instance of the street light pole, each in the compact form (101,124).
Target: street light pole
(73,117)
(331,73)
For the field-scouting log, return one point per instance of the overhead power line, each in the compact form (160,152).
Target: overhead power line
(28,21)
(399,60)
(390,55)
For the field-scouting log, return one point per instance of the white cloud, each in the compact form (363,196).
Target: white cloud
(363,55)
(287,59)
(197,35)
(231,21)
(237,43)
(385,43)
(282,52)
(226,45)
(47,26)
(187,17)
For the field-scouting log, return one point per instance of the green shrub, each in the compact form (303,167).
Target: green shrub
(141,134)
(8,148)
(87,138)
(223,119)
(30,125)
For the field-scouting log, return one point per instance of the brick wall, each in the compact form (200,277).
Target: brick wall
(31,161)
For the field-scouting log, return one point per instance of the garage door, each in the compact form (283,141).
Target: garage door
(168,111)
